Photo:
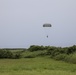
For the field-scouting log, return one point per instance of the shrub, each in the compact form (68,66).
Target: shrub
(71,49)
(35,48)
(17,56)
(71,58)
(9,54)
(60,57)
(51,50)
(6,54)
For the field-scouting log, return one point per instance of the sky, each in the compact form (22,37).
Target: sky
(21,23)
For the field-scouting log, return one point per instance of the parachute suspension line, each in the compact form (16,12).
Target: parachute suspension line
(46,27)
(45,32)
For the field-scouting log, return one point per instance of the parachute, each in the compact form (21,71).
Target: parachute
(46,27)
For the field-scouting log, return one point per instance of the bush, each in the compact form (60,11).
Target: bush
(71,58)
(71,49)
(5,54)
(17,56)
(35,48)
(9,54)
(51,50)
(60,57)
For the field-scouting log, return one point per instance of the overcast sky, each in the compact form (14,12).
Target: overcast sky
(21,23)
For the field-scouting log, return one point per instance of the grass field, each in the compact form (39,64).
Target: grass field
(36,66)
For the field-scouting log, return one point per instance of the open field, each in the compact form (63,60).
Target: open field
(36,66)
(38,60)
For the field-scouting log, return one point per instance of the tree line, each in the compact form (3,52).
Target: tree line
(58,53)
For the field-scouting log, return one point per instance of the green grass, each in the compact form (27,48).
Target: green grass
(36,66)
